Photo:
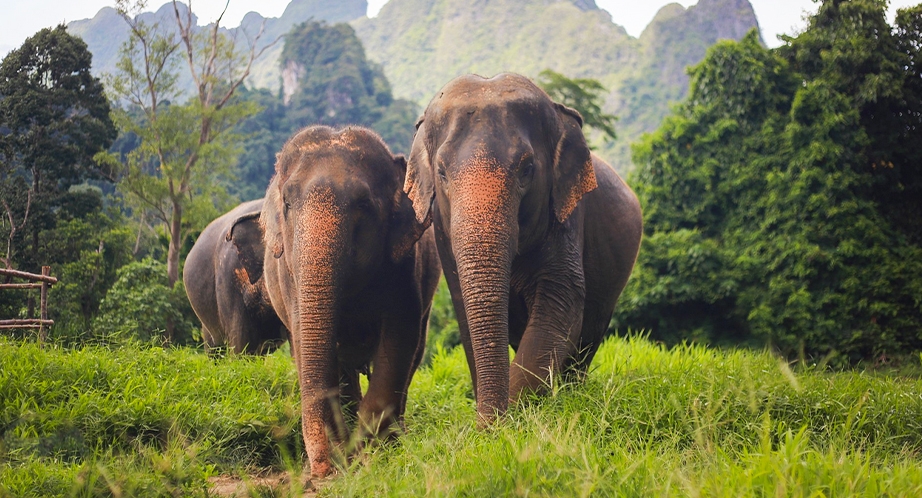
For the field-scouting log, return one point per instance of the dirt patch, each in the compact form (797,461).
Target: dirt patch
(273,484)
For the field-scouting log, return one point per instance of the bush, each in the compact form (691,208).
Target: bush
(140,305)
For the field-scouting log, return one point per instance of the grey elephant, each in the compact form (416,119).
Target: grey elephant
(232,302)
(351,274)
(536,235)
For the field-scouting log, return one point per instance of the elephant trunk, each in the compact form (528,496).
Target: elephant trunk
(484,234)
(319,241)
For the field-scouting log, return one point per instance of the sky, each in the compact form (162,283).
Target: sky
(24,18)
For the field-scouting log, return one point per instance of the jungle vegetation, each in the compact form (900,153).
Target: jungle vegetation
(782,200)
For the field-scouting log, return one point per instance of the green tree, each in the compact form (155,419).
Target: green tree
(764,215)
(881,71)
(185,149)
(54,117)
(87,246)
(586,95)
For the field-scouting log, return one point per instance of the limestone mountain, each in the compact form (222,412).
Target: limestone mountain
(422,44)
(105,33)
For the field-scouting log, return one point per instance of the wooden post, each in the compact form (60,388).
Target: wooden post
(46,271)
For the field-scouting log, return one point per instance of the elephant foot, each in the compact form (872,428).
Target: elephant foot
(320,469)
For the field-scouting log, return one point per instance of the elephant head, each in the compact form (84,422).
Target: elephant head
(335,214)
(495,164)
(247,236)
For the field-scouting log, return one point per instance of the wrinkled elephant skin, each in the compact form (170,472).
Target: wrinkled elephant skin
(536,235)
(233,307)
(352,274)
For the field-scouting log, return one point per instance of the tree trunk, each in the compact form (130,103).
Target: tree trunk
(172,263)
(172,259)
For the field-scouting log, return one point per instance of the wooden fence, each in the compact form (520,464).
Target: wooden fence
(43,282)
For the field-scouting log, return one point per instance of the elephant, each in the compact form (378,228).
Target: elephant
(536,235)
(231,302)
(352,275)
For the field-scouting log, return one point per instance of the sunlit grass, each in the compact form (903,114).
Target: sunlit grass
(651,421)
(648,420)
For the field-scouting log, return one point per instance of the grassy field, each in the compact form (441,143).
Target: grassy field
(686,421)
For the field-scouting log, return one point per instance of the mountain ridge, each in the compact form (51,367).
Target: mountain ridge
(422,44)
(643,75)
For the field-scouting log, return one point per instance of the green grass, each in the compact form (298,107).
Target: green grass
(687,421)
(143,421)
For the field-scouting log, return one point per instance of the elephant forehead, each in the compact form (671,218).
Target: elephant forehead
(344,141)
(502,86)
(495,103)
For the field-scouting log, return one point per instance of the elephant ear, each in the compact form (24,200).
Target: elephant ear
(271,225)
(418,184)
(247,237)
(405,229)
(574,175)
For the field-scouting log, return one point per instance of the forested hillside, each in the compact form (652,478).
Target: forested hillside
(422,44)
(327,81)
(782,200)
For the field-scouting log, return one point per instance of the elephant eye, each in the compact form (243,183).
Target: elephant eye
(527,171)
(287,206)
(364,205)
(442,174)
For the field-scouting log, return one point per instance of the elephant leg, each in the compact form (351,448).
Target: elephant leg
(350,394)
(392,369)
(212,347)
(596,318)
(418,358)
(551,336)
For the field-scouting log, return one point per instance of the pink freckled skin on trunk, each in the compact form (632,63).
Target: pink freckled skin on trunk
(318,239)
(482,209)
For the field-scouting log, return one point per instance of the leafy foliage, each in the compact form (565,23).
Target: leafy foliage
(767,216)
(586,95)
(141,302)
(54,117)
(86,251)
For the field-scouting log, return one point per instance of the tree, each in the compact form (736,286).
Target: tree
(583,94)
(881,73)
(54,117)
(765,219)
(186,148)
